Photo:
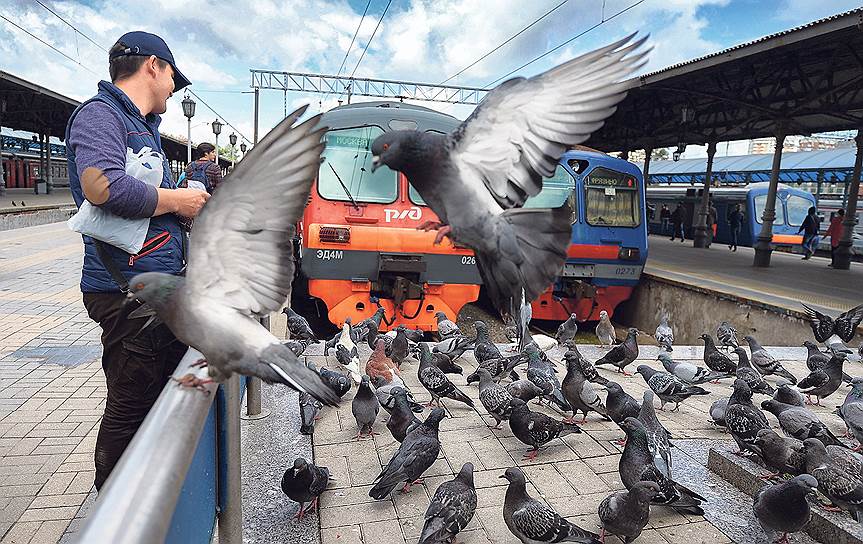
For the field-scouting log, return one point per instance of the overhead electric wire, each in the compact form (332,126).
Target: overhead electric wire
(567,42)
(356,33)
(368,43)
(70,25)
(35,37)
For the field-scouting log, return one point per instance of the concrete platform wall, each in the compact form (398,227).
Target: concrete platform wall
(17,220)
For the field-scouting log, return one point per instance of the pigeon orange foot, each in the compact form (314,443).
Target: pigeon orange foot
(190,380)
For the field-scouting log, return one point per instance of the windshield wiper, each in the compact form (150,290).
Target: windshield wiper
(345,187)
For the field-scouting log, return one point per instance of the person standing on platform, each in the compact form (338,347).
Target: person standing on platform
(834,231)
(711,223)
(138,358)
(205,170)
(810,228)
(678,222)
(665,219)
(735,220)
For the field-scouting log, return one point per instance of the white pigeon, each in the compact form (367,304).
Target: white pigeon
(605,330)
(664,334)
(347,354)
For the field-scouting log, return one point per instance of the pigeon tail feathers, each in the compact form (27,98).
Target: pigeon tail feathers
(280,365)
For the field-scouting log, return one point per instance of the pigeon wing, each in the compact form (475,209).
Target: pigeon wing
(846,324)
(241,247)
(518,132)
(822,325)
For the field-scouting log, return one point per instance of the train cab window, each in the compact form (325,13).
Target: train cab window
(611,199)
(761,202)
(347,168)
(796,208)
(556,191)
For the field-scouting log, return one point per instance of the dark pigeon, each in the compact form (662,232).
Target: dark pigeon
(453,347)
(402,417)
(542,373)
(338,382)
(445,327)
(567,330)
(837,480)
(851,410)
(688,372)
(620,405)
(781,454)
(727,335)
(363,326)
(623,353)
(751,376)
(451,508)
(416,454)
(844,326)
(783,508)
(800,422)
(484,348)
(298,326)
(303,483)
(536,429)
(400,349)
(534,522)
(626,513)
(436,382)
(789,395)
(743,420)
(765,363)
(497,368)
(578,392)
(494,397)
(525,124)
(715,359)
(587,368)
(657,435)
(667,387)
(525,390)
(365,408)
(636,465)
(818,360)
(309,410)
(824,382)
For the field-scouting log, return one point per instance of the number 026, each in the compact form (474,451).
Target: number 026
(468,259)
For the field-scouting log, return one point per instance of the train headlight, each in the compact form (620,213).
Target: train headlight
(335,235)
(628,253)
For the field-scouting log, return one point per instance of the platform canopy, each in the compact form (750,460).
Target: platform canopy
(809,79)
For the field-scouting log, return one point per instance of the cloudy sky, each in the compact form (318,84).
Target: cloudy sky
(215,43)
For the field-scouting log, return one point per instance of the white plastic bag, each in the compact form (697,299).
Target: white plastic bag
(126,234)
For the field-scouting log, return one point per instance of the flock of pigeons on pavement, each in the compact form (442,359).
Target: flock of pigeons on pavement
(806,450)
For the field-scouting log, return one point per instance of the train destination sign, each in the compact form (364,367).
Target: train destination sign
(602,177)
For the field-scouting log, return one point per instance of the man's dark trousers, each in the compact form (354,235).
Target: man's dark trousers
(136,365)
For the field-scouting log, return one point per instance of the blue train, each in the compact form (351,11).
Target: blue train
(791,208)
(608,248)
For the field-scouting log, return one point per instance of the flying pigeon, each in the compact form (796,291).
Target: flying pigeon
(298,325)
(751,376)
(365,407)
(303,483)
(782,508)
(765,363)
(605,330)
(688,372)
(416,454)
(578,392)
(800,422)
(837,479)
(667,387)
(623,353)
(476,178)
(309,410)
(727,335)
(715,359)
(240,263)
(664,334)
(534,522)
(495,398)
(567,330)
(451,508)
(824,382)
(445,327)
(782,454)
(626,513)
(536,429)
(844,326)
(436,382)
(743,419)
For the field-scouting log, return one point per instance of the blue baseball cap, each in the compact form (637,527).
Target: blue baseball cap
(146,44)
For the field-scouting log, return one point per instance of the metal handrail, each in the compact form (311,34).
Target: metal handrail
(138,501)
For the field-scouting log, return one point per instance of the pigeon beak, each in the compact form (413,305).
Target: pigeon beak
(376,162)
(130,297)
(502,476)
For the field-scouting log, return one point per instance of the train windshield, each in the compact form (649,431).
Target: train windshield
(556,190)
(346,172)
(796,208)
(611,199)
(761,201)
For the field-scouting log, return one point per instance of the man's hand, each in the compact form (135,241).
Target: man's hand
(184,202)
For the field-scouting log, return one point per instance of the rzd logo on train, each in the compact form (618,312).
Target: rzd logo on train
(412,213)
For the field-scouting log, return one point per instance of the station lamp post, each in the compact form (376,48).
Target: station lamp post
(189,112)
(243,149)
(233,139)
(700,236)
(217,129)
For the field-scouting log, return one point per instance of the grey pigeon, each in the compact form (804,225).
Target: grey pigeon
(743,419)
(542,373)
(400,350)
(783,508)
(717,412)
(664,334)
(384,392)
(536,429)
(484,348)
(443,362)
(241,263)
(497,368)
(567,330)
(453,347)
(844,326)
(416,454)
(751,376)
(657,435)
(296,346)
(765,363)
(838,481)
(525,124)
(800,422)
(688,372)
(376,319)
(788,394)
(436,382)
(715,359)
(851,410)
(338,382)
(304,482)
(667,387)
(623,353)
(309,410)
(534,522)
(816,359)
(636,465)
(626,513)
(445,327)
(619,404)
(298,326)
(494,397)
(782,454)
(587,367)
(451,508)
(365,408)
(402,417)
(605,330)
(525,390)
(824,382)
(578,392)
(727,335)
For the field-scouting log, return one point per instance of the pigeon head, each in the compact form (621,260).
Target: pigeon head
(573,317)
(643,492)
(466,474)
(645,371)
(440,316)
(365,381)
(613,388)
(856,386)
(514,476)
(481,375)
(434,418)
(633,428)
(814,450)
(810,345)
(773,406)
(481,329)
(742,392)
(648,397)
(603,315)
(300,465)
(632,331)
(765,436)
(518,406)
(154,288)
(806,481)
(396,149)
(665,359)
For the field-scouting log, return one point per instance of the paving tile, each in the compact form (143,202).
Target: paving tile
(381,533)
(49,514)
(346,515)
(349,534)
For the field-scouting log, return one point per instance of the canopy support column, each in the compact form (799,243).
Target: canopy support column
(764,247)
(843,252)
(700,235)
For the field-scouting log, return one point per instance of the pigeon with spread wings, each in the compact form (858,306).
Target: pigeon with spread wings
(241,263)
(844,326)
(474,177)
